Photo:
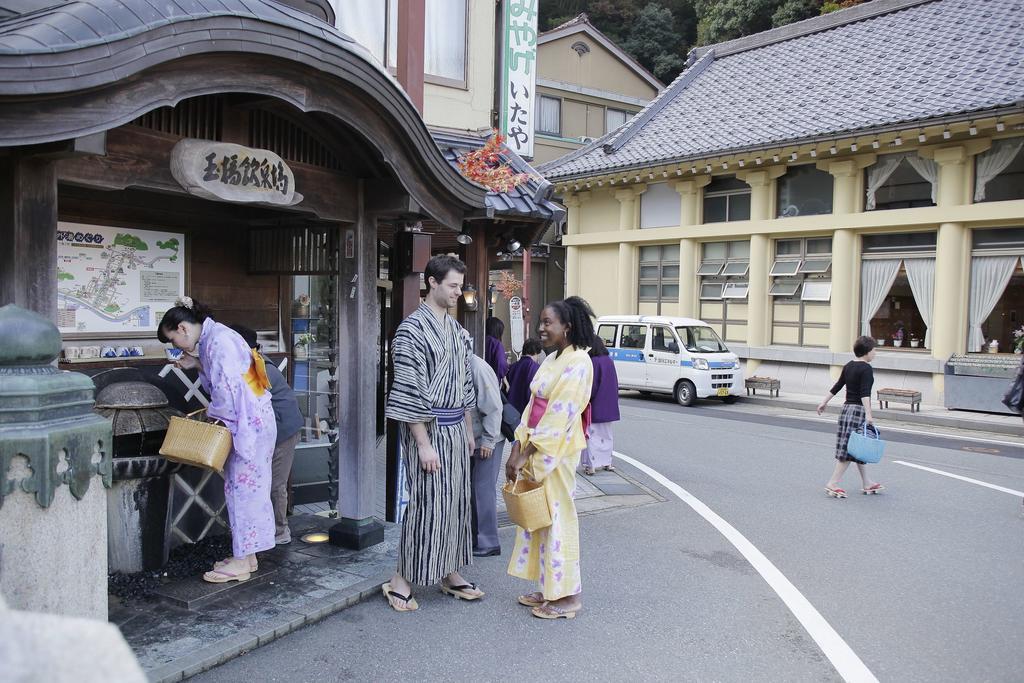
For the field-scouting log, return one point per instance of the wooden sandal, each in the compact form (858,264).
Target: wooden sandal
(589,471)
(549,611)
(393,597)
(462,592)
(529,601)
(221,575)
(254,564)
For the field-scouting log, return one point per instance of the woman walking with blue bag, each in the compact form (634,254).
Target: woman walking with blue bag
(858,378)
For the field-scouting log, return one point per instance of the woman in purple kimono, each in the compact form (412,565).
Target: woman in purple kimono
(494,353)
(604,409)
(235,380)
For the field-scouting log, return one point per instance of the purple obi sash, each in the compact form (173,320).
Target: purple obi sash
(449,417)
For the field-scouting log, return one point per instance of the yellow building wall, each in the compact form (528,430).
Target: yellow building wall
(600,214)
(786,313)
(785,335)
(601,292)
(468,107)
(598,68)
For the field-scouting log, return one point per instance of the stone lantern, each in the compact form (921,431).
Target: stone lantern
(54,464)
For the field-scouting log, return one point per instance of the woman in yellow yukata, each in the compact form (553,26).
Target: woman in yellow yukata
(547,449)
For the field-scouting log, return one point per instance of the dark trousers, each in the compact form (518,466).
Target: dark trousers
(484,474)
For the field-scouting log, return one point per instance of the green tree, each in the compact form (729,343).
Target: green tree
(653,42)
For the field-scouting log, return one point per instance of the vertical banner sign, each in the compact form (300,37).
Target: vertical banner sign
(515,316)
(520,75)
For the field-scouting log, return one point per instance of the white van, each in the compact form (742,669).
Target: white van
(678,356)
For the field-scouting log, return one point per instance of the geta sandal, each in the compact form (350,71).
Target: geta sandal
(462,592)
(529,601)
(409,603)
(549,611)
(221,575)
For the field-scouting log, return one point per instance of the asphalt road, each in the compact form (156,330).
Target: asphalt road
(924,582)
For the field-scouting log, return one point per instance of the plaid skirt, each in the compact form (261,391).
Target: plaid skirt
(850,420)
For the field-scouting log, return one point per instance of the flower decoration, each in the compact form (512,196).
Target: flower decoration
(1018,339)
(508,285)
(485,167)
(302,299)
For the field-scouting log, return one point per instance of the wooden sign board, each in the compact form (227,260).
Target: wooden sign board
(228,172)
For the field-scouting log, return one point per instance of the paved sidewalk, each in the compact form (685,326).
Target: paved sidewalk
(929,414)
(187,627)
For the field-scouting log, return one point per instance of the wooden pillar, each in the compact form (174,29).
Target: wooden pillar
(28,231)
(358,318)
(526,292)
(408,259)
(411,30)
(478,270)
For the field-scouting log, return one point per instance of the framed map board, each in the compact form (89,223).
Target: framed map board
(116,282)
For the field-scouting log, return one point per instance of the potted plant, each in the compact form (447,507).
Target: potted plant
(914,341)
(301,348)
(300,307)
(1018,340)
(993,346)
(880,341)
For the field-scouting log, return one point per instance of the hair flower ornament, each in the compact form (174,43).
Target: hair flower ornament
(185,301)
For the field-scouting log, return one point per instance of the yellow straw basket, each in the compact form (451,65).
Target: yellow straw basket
(527,504)
(197,443)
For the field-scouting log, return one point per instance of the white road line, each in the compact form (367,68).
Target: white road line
(1012,492)
(843,658)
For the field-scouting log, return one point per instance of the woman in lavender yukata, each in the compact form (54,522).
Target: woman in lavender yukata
(235,379)
(547,450)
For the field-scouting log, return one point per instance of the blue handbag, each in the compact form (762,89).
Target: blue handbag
(866,445)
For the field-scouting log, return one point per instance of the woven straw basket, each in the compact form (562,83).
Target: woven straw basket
(527,504)
(197,443)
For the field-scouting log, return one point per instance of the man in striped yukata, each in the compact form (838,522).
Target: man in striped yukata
(432,399)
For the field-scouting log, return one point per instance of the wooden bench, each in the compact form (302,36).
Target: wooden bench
(899,396)
(769,383)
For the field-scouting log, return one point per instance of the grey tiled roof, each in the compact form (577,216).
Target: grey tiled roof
(531,199)
(881,64)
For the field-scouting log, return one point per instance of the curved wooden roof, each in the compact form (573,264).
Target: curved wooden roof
(83,67)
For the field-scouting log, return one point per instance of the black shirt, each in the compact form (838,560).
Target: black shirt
(858,377)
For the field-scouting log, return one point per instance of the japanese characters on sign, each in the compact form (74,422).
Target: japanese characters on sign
(225,171)
(520,75)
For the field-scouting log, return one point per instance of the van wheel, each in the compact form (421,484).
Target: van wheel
(685,393)
(730,399)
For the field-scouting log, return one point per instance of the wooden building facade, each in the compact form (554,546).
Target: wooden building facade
(103,105)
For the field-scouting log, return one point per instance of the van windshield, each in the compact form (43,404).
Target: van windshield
(701,339)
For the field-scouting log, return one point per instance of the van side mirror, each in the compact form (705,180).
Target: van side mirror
(673,347)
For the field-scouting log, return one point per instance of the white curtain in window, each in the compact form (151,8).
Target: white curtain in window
(927,169)
(878,173)
(989,277)
(550,119)
(444,48)
(921,274)
(363,20)
(876,278)
(993,162)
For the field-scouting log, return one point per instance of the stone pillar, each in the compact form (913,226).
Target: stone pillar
(758,301)
(689,215)
(28,231)
(55,461)
(690,199)
(358,325)
(627,283)
(762,190)
(844,313)
(952,259)
(688,302)
(572,253)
